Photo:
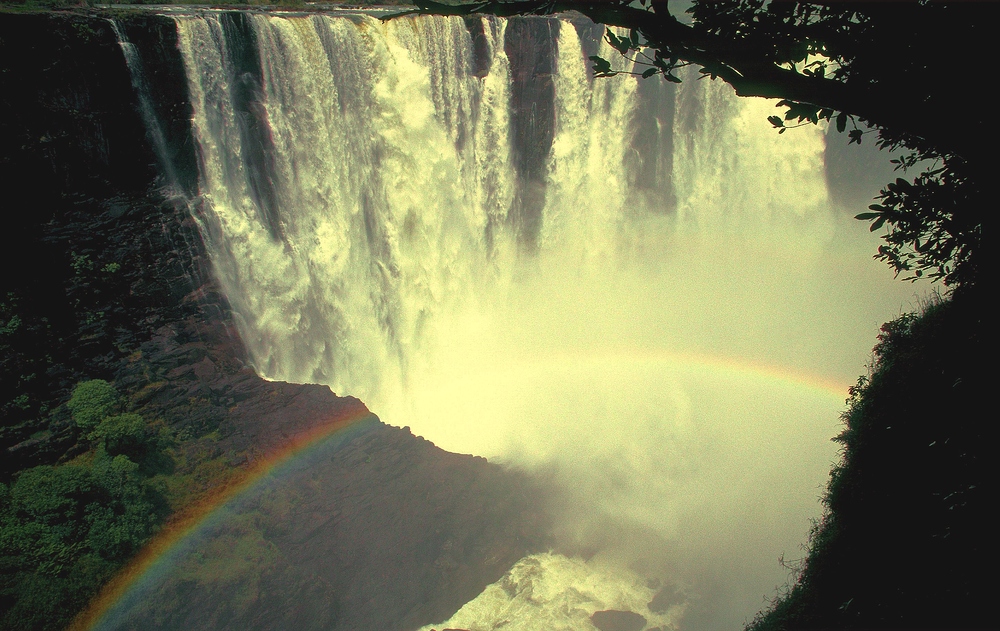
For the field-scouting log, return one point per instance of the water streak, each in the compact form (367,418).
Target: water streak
(380,224)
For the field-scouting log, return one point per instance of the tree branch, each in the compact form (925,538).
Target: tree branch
(738,62)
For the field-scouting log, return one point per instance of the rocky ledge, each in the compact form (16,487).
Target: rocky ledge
(112,281)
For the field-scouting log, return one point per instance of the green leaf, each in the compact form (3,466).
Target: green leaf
(841,121)
(864,216)
(776,121)
(602,67)
(621,44)
(649,72)
(877,224)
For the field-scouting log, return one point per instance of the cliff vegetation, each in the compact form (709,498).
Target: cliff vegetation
(907,522)
(125,393)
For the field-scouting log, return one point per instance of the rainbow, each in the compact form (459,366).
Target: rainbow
(817,384)
(695,363)
(133,582)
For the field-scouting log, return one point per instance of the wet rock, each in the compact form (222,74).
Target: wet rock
(616,620)
(387,531)
(664,599)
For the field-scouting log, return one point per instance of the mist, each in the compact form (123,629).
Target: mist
(680,406)
(669,357)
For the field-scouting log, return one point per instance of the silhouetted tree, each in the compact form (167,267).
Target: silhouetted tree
(915,74)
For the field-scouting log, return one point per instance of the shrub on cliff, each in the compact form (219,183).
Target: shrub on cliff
(91,402)
(122,434)
(906,530)
(64,531)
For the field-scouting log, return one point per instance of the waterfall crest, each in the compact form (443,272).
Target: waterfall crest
(622,285)
(360,182)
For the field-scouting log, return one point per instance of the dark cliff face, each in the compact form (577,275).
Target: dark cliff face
(389,533)
(106,276)
(95,257)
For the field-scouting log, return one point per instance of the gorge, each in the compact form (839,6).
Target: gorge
(636,298)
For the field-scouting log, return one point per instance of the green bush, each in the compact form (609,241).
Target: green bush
(119,526)
(64,531)
(122,434)
(907,532)
(44,517)
(91,402)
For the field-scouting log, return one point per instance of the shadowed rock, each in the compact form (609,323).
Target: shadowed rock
(615,620)
(664,599)
(379,530)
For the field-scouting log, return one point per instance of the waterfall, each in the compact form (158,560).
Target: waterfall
(630,288)
(137,75)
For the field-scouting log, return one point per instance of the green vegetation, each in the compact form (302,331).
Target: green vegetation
(906,523)
(91,402)
(66,529)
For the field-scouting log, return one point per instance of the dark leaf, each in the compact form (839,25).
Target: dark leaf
(621,44)
(602,67)
(841,121)
(649,72)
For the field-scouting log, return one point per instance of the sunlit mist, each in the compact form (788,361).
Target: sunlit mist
(669,354)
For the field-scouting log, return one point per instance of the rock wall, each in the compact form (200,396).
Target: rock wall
(106,276)
(110,268)
(97,258)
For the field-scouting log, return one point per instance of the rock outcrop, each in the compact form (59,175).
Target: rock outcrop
(107,277)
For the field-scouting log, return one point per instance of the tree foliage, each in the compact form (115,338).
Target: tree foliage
(907,524)
(65,530)
(123,434)
(91,402)
(911,72)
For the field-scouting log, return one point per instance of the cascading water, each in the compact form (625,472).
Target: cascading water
(639,293)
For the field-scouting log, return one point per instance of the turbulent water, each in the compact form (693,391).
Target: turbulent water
(640,293)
